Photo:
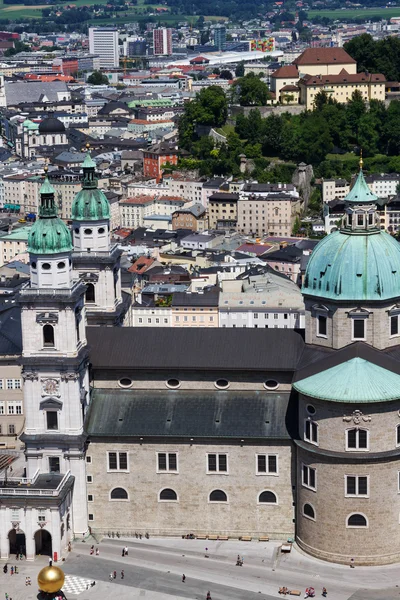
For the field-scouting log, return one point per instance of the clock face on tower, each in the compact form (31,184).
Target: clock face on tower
(50,387)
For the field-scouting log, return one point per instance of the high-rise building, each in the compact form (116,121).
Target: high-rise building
(135,46)
(219,36)
(104,42)
(162,41)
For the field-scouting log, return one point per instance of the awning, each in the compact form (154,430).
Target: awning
(31,216)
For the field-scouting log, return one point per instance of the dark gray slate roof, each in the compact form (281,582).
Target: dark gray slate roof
(205,414)
(194,348)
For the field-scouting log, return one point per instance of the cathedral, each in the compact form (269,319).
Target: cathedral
(260,433)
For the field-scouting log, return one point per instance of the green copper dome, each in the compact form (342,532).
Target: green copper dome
(49,234)
(90,203)
(358,262)
(344,266)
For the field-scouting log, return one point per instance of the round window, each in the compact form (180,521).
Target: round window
(222,384)
(101,230)
(46,266)
(173,384)
(310,409)
(88,231)
(271,384)
(125,382)
(33,265)
(61,265)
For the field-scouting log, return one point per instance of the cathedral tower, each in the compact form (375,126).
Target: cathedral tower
(54,362)
(95,260)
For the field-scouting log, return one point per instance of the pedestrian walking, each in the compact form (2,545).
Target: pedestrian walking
(115,574)
(12,570)
(97,552)
(111,577)
(183,578)
(122,574)
(208,596)
(352,563)
(16,570)
(126,550)
(123,552)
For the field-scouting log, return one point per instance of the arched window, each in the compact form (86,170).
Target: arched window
(357,520)
(308,511)
(119,494)
(48,335)
(168,494)
(218,496)
(90,293)
(267,498)
(357,439)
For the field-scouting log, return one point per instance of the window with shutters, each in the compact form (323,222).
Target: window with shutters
(266,464)
(167,462)
(357,485)
(217,463)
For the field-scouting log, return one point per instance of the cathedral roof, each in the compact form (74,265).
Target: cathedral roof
(355,265)
(356,380)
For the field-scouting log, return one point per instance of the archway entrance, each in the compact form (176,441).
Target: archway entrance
(43,544)
(17,542)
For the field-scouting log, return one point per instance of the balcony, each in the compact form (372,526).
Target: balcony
(41,484)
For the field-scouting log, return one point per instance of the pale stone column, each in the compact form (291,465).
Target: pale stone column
(55,532)
(30,529)
(4,529)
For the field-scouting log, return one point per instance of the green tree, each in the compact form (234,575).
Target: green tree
(97,78)
(210,107)
(250,91)
(296,226)
(226,74)
(239,71)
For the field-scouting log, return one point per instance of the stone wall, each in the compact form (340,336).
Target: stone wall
(192,512)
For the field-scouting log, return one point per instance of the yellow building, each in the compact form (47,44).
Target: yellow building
(341,87)
(195,310)
(222,210)
(325,61)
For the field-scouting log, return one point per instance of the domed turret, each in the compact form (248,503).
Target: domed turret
(90,203)
(51,125)
(49,240)
(352,282)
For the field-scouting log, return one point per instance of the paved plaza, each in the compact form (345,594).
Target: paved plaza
(153,571)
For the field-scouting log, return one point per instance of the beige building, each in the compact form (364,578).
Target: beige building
(133,211)
(14,244)
(288,75)
(325,61)
(259,215)
(341,87)
(333,189)
(222,210)
(195,309)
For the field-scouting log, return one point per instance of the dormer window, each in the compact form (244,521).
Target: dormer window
(359,324)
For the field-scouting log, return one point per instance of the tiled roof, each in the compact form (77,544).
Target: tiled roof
(289,71)
(324,56)
(342,77)
(138,200)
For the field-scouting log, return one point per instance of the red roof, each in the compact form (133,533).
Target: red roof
(286,72)
(343,77)
(324,56)
(138,200)
(141,265)
(257,249)
(290,88)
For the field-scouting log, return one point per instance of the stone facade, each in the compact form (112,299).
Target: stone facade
(242,514)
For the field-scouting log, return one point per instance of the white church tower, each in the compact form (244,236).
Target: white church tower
(95,260)
(55,372)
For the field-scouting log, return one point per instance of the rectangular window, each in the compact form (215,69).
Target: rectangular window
(51,419)
(117,461)
(217,463)
(88,459)
(167,462)
(358,329)
(1,384)
(394,325)
(2,408)
(17,384)
(90,497)
(356,485)
(311,432)
(91,517)
(309,478)
(357,439)
(54,464)
(10,384)
(11,429)
(89,478)
(41,515)
(322,325)
(267,464)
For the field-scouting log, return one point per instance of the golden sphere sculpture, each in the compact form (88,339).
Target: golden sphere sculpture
(51,579)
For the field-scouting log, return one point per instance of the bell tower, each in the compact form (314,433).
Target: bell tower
(55,371)
(96,261)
